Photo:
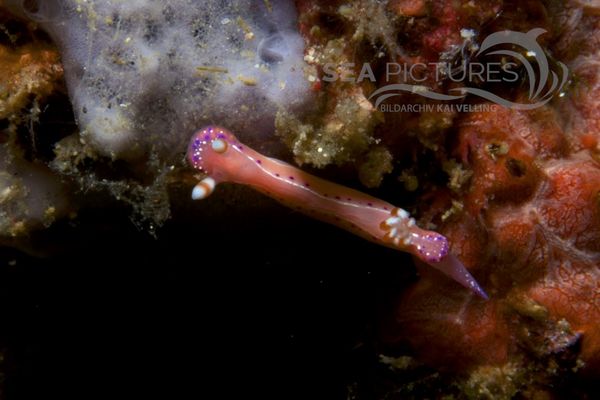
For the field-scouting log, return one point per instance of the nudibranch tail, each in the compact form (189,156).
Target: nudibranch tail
(430,247)
(452,267)
(217,152)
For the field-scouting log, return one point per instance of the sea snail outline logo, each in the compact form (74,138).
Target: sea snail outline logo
(540,78)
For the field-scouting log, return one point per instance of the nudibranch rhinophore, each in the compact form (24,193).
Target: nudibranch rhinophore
(218,153)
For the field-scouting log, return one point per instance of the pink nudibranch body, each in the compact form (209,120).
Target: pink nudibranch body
(218,153)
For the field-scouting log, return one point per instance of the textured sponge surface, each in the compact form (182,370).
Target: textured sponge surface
(144,74)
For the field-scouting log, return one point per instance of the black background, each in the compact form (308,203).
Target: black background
(247,302)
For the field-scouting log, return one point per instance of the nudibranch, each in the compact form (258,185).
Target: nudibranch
(218,153)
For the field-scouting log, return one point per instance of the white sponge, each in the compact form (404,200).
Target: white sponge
(144,75)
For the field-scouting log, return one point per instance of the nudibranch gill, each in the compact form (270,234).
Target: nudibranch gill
(218,153)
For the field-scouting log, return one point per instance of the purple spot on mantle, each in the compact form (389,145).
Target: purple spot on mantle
(337,198)
(207,137)
(370,204)
(291,178)
(277,175)
(258,162)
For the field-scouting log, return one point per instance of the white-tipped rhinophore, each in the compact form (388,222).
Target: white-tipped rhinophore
(204,188)
(219,145)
